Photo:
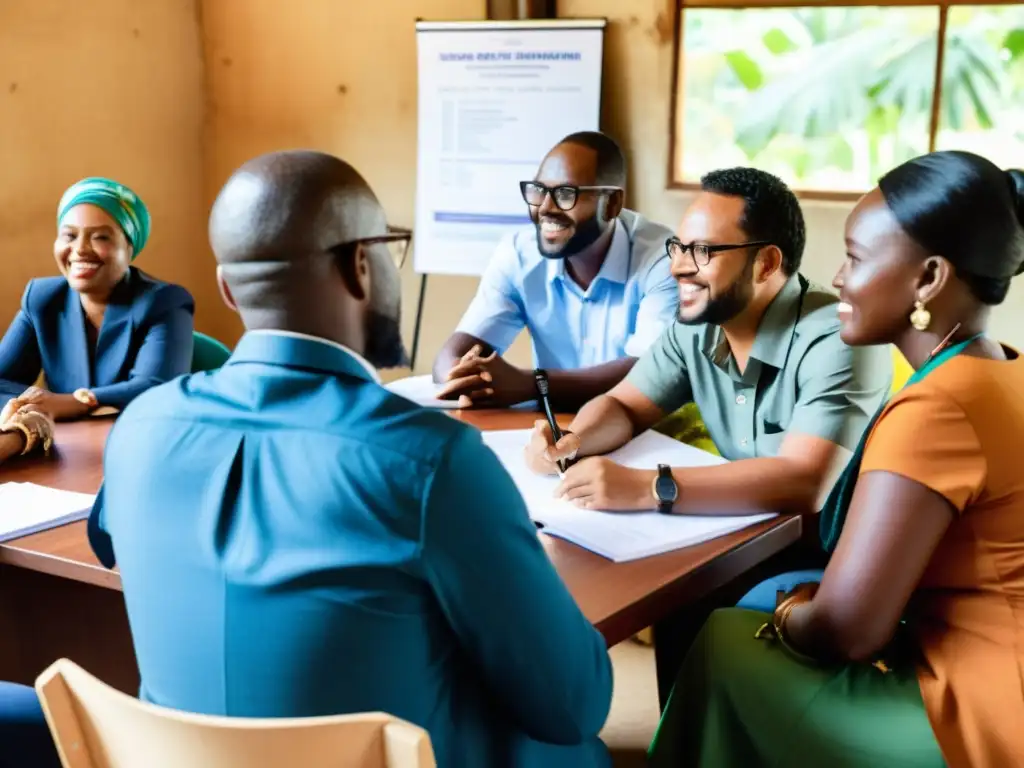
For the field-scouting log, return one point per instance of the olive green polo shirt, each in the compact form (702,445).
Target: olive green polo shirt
(800,377)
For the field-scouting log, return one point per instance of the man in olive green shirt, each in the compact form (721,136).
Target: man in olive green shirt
(755,346)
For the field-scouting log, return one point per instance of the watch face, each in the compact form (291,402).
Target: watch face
(666,488)
(85,397)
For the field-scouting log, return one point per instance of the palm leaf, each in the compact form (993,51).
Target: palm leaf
(906,76)
(839,85)
(1014,43)
(970,78)
(746,70)
(820,96)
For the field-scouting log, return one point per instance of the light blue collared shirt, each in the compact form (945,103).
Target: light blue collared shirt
(625,309)
(295,540)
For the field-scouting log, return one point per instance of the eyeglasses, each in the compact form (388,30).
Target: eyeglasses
(701,252)
(565,196)
(397,240)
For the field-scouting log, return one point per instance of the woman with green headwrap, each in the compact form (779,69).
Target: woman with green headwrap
(101,334)
(105,331)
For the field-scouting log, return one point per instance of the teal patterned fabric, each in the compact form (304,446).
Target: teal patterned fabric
(123,205)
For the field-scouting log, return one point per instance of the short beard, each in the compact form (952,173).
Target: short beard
(724,308)
(587,233)
(384,345)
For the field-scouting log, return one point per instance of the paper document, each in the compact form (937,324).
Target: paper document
(27,508)
(421,390)
(619,536)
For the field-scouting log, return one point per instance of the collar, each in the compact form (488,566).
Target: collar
(779,324)
(715,346)
(300,350)
(614,268)
(774,333)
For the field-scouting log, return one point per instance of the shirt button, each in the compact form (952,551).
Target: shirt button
(743,441)
(741,399)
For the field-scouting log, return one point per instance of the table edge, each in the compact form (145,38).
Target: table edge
(703,579)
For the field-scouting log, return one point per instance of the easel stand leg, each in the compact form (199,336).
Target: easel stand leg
(419,319)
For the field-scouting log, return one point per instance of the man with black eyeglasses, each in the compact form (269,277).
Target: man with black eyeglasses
(589,280)
(755,346)
(289,532)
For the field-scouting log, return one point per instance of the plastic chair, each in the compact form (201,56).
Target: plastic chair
(208,354)
(95,726)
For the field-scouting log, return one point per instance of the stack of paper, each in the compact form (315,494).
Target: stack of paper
(619,536)
(27,508)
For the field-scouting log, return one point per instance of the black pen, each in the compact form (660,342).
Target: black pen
(540,378)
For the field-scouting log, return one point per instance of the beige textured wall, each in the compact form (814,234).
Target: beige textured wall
(333,75)
(104,88)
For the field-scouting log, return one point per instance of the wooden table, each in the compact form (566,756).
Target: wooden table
(57,600)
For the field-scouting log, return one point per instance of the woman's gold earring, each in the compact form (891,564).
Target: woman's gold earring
(920,318)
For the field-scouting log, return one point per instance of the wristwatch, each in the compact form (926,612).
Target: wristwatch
(85,397)
(664,489)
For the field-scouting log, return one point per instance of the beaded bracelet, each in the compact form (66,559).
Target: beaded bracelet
(31,438)
(776,628)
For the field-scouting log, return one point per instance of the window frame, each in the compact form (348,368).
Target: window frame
(681,6)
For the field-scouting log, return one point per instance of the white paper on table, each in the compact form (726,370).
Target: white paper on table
(27,508)
(619,536)
(421,390)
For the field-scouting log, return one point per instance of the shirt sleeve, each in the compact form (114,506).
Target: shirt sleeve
(546,664)
(20,361)
(96,531)
(839,390)
(496,315)
(925,436)
(100,541)
(661,373)
(657,308)
(165,353)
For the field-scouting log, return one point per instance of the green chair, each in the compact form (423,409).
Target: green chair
(208,354)
(687,426)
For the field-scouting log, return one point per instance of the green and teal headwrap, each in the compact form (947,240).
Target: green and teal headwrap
(123,205)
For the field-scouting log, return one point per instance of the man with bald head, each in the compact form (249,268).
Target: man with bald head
(295,540)
(589,280)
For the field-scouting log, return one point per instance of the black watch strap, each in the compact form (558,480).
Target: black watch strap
(665,489)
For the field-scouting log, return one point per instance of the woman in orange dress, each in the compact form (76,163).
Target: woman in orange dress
(910,651)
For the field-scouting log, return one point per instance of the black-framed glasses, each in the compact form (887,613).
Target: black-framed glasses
(564,196)
(397,240)
(702,252)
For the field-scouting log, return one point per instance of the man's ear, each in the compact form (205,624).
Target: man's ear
(614,206)
(225,292)
(354,268)
(767,262)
